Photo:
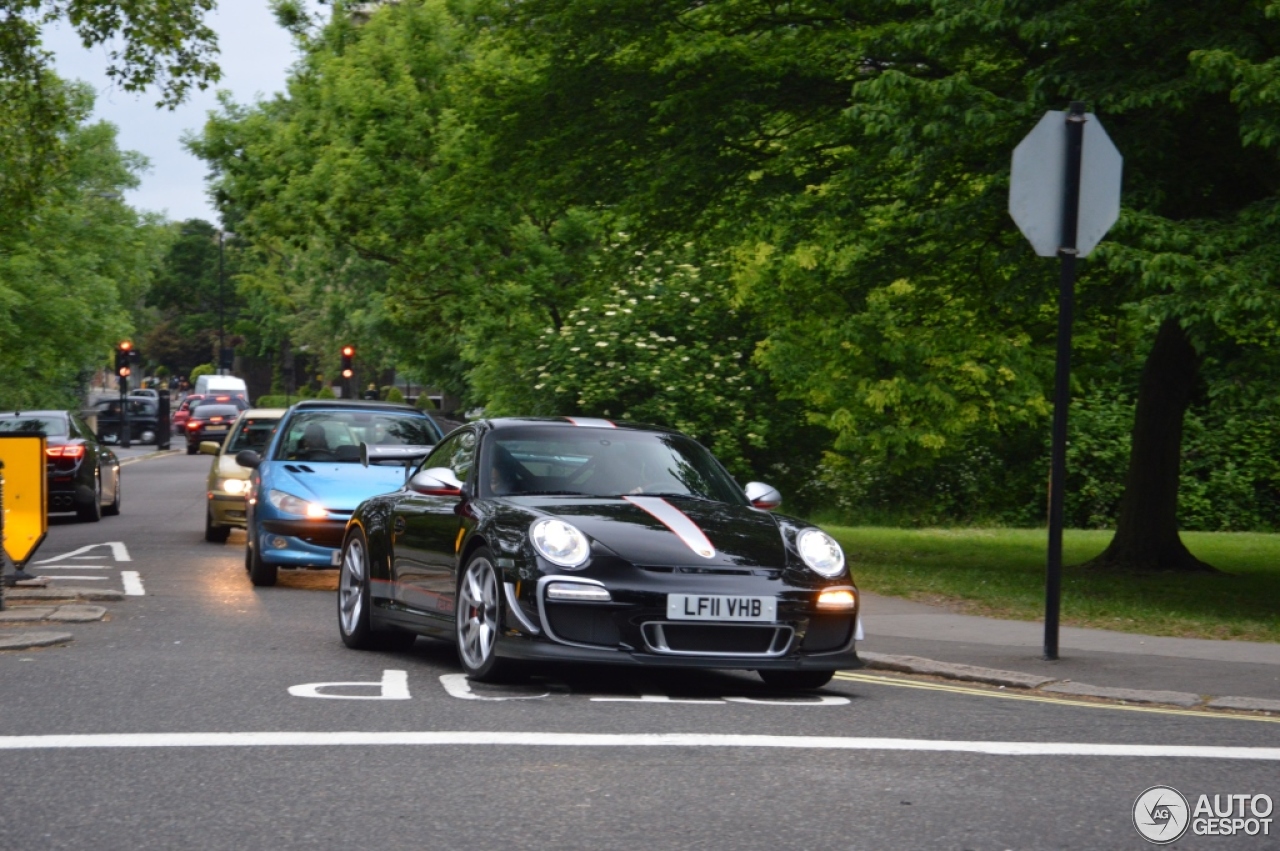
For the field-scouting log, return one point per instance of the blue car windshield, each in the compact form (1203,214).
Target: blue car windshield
(337,435)
(572,461)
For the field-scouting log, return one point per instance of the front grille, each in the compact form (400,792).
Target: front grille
(582,623)
(689,639)
(827,633)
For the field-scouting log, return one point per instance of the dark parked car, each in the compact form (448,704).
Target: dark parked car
(84,475)
(593,541)
(143,420)
(209,421)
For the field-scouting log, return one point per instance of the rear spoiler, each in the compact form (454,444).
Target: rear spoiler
(407,455)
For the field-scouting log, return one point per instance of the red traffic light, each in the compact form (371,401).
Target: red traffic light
(348,351)
(125,345)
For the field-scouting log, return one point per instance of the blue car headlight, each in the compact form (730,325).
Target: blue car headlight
(287,503)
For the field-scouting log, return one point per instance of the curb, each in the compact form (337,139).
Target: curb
(1049,685)
(27,640)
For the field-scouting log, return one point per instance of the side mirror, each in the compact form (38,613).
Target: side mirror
(248,458)
(208,447)
(763,496)
(438,481)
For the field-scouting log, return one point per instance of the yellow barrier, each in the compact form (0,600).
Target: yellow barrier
(24,495)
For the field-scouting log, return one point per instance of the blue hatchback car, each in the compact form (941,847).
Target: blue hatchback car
(325,458)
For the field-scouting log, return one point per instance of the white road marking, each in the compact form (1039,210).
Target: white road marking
(78,567)
(82,578)
(639,740)
(132,583)
(393,686)
(119,552)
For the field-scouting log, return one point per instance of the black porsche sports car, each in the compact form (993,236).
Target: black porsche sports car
(587,540)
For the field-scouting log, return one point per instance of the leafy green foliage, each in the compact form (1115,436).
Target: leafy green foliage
(71,277)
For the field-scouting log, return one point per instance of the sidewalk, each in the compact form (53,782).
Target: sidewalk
(1181,671)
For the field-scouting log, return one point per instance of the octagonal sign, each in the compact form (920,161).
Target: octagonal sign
(1037,184)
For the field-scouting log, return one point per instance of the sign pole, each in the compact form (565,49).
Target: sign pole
(1062,375)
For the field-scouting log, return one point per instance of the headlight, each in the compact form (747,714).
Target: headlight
(235,487)
(290,504)
(820,552)
(559,543)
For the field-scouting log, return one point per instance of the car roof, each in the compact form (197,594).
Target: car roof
(34,414)
(354,404)
(500,423)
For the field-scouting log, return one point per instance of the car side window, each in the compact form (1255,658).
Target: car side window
(458,453)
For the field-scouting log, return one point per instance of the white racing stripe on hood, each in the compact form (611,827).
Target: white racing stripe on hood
(590,422)
(677,521)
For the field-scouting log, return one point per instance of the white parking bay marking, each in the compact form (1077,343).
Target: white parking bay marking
(394,685)
(623,740)
(132,583)
(119,552)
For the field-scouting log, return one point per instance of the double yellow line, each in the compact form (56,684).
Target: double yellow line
(881,680)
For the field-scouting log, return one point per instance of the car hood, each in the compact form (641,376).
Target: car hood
(648,530)
(229,469)
(335,485)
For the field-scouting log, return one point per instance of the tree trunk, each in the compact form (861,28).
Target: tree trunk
(1146,537)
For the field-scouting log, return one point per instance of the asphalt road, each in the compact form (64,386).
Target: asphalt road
(208,714)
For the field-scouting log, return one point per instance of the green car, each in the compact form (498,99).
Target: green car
(228,485)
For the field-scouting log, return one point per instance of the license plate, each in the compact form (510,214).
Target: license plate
(335,558)
(212,429)
(721,607)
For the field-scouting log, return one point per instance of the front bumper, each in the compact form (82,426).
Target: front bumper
(634,626)
(227,509)
(300,543)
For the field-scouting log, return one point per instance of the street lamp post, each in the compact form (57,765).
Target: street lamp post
(223,236)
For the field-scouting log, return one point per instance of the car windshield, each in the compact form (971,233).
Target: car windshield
(337,435)
(48,426)
(254,433)
(571,460)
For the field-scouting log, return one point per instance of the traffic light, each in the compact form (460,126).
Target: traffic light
(123,352)
(348,355)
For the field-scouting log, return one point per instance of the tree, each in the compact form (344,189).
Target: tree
(72,277)
(860,151)
(148,42)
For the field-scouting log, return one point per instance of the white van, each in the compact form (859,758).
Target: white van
(209,385)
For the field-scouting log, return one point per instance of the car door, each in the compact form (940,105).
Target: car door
(96,455)
(425,531)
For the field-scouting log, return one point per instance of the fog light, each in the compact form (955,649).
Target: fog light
(578,592)
(279,543)
(840,599)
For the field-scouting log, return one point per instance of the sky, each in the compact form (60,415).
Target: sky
(255,58)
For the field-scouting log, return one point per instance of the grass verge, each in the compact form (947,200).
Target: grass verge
(1001,573)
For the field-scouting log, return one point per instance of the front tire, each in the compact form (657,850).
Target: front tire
(355,602)
(261,574)
(478,619)
(796,680)
(213,533)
